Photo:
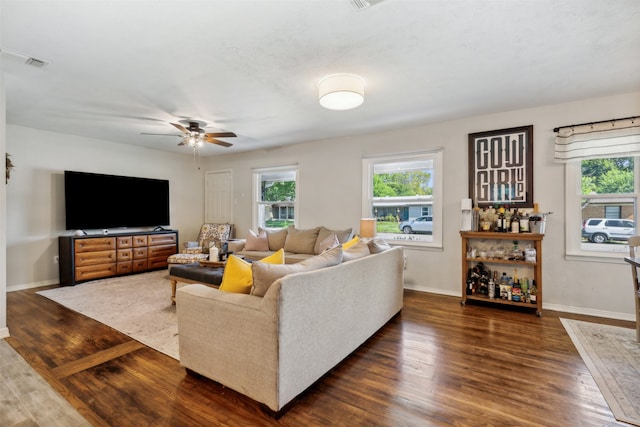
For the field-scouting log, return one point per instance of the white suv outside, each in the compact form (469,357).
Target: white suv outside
(601,230)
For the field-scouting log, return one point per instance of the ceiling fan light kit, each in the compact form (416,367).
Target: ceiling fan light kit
(341,91)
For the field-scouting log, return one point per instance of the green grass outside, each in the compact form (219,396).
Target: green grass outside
(387,227)
(278,223)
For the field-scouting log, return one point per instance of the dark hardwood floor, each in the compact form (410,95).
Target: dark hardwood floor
(436,363)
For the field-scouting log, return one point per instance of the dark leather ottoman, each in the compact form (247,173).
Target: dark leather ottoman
(193,273)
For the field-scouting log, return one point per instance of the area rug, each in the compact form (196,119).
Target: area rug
(613,358)
(138,305)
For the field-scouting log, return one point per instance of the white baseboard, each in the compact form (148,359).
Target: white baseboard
(555,307)
(4,333)
(590,312)
(32,285)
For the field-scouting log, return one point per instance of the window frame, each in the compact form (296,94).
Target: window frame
(436,155)
(257,180)
(573,215)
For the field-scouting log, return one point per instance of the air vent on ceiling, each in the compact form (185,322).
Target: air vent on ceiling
(29,60)
(363,4)
(35,62)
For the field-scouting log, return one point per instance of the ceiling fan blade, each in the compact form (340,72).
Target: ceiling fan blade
(215,141)
(159,134)
(180,127)
(220,135)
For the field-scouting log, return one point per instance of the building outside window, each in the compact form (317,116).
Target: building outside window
(403,192)
(275,192)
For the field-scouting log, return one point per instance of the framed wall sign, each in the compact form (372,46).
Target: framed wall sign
(501,167)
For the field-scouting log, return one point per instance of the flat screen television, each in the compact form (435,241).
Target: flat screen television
(96,201)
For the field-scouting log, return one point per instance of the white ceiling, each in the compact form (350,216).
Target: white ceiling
(120,68)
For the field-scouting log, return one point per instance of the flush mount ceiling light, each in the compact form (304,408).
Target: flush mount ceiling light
(341,91)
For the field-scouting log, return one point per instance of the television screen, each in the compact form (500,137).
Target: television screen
(95,201)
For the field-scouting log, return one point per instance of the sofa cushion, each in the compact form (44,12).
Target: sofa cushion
(359,250)
(265,274)
(301,241)
(331,241)
(342,235)
(257,242)
(276,238)
(378,245)
(238,277)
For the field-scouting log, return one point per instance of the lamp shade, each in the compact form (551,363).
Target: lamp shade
(341,91)
(368,227)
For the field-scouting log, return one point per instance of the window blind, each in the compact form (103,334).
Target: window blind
(615,138)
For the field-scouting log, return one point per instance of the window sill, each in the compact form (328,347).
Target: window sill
(605,257)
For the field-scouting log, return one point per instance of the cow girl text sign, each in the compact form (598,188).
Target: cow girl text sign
(501,167)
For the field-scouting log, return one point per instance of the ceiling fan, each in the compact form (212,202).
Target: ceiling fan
(194,136)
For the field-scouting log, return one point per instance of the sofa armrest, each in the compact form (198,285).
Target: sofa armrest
(236,245)
(230,338)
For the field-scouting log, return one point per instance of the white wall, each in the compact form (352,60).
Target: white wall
(4,332)
(35,193)
(330,193)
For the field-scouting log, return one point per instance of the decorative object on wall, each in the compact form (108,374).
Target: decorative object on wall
(368,227)
(341,91)
(501,167)
(9,164)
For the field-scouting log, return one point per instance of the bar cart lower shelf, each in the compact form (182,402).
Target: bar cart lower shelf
(471,238)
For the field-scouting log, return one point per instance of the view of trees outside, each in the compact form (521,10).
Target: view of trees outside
(278,191)
(607,176)
(410,183)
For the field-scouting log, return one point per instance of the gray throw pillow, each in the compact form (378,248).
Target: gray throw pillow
(265,274)
(359,250)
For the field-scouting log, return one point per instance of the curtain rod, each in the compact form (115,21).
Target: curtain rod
(595,123)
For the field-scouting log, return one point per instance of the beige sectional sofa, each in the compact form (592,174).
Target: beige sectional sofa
(298,244)
(272,348)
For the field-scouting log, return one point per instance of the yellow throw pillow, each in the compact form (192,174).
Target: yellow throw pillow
(275,258)
(237,276)
(347,245)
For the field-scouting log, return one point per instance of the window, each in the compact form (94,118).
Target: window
(601,181)
(404,193)
(604,201)
(275,193)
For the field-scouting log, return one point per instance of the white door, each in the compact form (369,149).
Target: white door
(218,197)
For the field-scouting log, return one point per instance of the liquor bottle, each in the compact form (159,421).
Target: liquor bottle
(504,282)
(507,219)
(500,221)
(515,221)
(492,288)
(469,287)
(516,290)
(524,223)
(533,292)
